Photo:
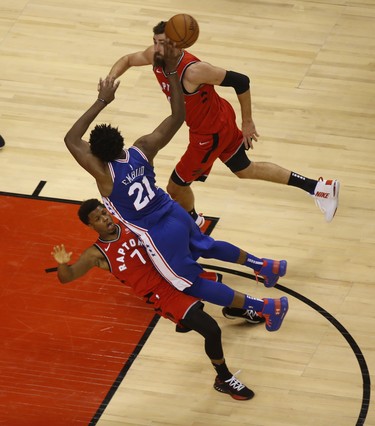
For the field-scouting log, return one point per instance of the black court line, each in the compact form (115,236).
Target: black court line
(39,188)
(124,370)
(38,197)
(366,381)
(211,226)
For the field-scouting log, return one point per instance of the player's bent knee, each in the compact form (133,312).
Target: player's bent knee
(239,162)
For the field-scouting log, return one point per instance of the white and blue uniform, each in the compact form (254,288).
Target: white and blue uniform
(172,239)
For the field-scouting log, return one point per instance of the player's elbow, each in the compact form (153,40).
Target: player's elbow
(64,279)
(240,82)
(68,139)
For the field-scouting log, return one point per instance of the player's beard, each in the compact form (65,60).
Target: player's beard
(158,60)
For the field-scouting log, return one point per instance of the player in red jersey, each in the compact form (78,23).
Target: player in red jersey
(119,251)
(213,132)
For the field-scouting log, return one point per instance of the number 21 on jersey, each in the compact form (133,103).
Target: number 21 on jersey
(143,193)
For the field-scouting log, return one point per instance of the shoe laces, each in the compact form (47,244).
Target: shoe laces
(234,383)
(256,273)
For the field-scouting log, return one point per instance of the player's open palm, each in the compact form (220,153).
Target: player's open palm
(107,89)
(171,56)
(60,254)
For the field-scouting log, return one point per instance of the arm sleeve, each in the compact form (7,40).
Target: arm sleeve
(240,82)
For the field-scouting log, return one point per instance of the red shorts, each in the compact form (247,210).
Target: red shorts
(203,150)
(169,302)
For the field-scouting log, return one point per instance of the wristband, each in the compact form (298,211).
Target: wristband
(103,100)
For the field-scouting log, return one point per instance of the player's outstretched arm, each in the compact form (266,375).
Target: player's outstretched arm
(66,273)
(73,139)
(152,143)
(137,59)
(205,73)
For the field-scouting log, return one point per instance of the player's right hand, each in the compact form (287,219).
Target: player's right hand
(60,254)
(107,88)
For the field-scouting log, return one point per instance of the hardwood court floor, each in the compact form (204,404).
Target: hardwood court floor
(311,65)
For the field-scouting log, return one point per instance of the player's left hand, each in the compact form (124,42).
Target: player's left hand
(107,88)
(250,134)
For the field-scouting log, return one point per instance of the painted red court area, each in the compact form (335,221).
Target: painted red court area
(62,346)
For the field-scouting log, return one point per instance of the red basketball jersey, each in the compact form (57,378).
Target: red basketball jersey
(206,111)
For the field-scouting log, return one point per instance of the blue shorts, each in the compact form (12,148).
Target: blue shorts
(173,245)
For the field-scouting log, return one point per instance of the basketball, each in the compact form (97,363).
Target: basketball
(183,30)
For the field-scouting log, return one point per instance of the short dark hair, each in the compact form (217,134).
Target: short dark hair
(106,142)
(86,208)
(159,28)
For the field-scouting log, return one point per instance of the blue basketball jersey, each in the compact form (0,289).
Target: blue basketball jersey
(135,196)
(172,239)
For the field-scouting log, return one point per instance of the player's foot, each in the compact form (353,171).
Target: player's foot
(326,197)
(247,314)
(200,220)
(271,271)
(2,142)
(274,311)
(234,388)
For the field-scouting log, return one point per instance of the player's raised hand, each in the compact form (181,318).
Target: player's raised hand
(107,89)
(171,55)
(60,254)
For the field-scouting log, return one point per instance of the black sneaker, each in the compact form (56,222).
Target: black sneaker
(246,314)
(2,142)
(234,388)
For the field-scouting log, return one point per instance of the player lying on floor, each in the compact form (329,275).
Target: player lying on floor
(119,251)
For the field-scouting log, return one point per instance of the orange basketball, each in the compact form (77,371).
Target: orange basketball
(183,30)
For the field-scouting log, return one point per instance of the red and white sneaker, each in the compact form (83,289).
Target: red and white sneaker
(326,197)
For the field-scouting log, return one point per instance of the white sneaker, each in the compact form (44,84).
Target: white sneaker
(326,197)
(200,220)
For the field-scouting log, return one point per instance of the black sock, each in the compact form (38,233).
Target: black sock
(302,182)
(222,371)
(193,214)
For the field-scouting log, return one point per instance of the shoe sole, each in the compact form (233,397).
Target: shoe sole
(233,395)
(336,192)
(284,306)
(257,321)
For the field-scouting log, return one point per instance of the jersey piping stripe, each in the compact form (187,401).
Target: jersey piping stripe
(188,309)
(140,152)
(106,257)
(111,171)
(159,262)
